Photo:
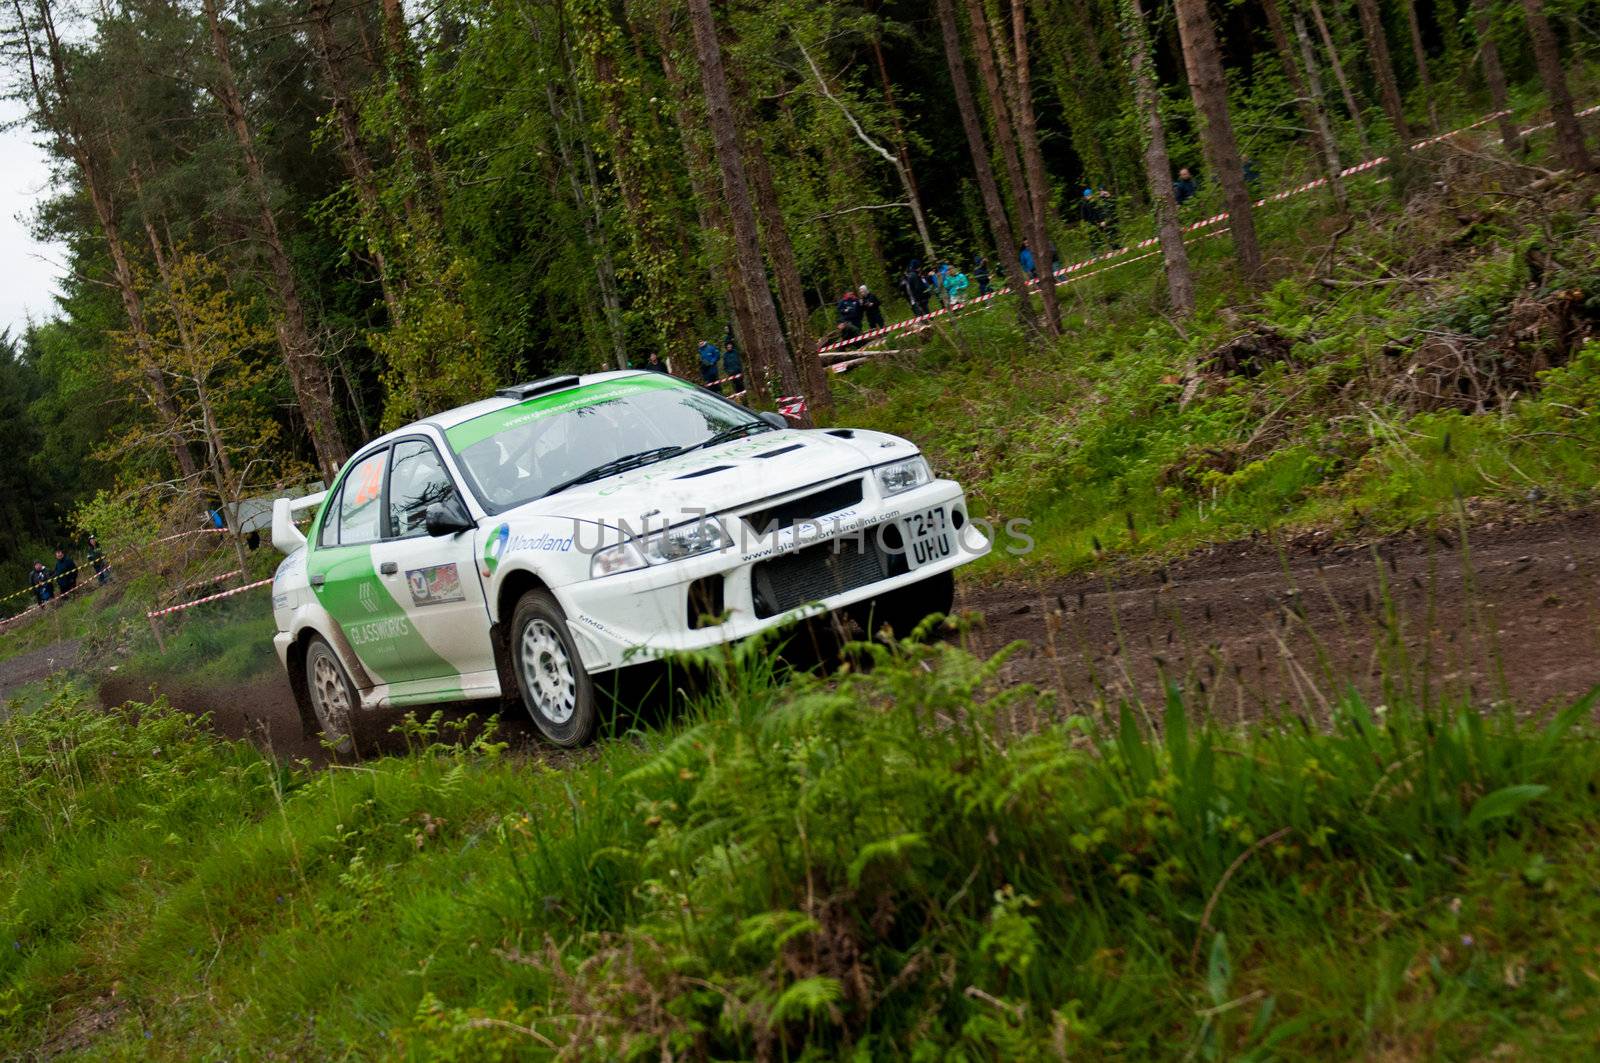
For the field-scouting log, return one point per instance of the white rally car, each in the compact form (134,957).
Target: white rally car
(571,526)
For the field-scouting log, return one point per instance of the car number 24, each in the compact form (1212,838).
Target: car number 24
(928,536)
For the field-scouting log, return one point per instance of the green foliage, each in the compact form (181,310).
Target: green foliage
(904,860)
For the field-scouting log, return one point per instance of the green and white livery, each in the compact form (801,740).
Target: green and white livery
(523,545)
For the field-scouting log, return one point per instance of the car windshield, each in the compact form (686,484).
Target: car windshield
(523,452)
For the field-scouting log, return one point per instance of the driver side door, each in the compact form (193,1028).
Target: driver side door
(433,579)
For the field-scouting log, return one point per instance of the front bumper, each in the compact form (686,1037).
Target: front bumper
(646,614)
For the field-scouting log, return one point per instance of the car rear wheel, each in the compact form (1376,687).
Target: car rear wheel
(556,689)
(333,696)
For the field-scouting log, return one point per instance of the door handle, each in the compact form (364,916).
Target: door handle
(316,579)
(388,568)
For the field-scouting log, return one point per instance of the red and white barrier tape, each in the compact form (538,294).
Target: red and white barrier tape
(1066,274)
(209,598)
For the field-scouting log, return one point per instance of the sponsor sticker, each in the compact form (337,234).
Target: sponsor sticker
(434,585)
(495,547)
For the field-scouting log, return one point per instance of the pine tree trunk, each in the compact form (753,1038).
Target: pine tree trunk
(1002,93)
(1494,76)
(1547,53)
(1280,42)
(308,374)
(408,93)
(765,351)
(1308,95)
(999,225)
(1157,166)
(1337,66)
(587,203)
(786,271)
(1329,146)
(1420,54)
(908,179)
(65,122)
(351,148)
(1033,161)
(1209,87)
(1383,70)
(702,181)
(657,246)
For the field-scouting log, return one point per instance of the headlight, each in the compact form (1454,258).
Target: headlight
(904,475)
(703,536)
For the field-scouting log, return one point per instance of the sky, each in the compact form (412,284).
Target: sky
(29,270)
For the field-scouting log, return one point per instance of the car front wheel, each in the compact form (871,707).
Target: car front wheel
(555,687)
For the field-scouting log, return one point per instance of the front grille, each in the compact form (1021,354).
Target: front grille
(816,572)
(806,507)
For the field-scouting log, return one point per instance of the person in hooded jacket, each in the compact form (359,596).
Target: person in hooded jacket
(97,558)
(733,365)
(66,573)
(849,315)
(39,580)
(871,308)
(915,289)
(710,364)
(980,274)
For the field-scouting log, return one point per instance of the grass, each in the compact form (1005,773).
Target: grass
(903,862)
(1130,438)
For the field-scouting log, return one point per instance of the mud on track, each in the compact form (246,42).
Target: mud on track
(262,711)
(1248,628)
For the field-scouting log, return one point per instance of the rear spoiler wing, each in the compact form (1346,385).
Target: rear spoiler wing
(285,536)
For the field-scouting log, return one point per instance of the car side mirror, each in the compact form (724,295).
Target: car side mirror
(447,518)
(776,420)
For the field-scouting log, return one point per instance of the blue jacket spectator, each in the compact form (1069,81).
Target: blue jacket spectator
(710,362)
(1025,257)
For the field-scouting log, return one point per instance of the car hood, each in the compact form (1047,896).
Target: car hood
(721,478)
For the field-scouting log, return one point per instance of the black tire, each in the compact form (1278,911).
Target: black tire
(556,689)
(902,610)
(332,695)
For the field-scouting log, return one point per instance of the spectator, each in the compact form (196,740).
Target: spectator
(915,289)
(710,364)
(1055,260)
(1108,215)
(955,286)
(1184,188)
(1025,257)
(733,365)
(935,284)
(1098,211)
(980,274)
(66,573)
(652,363)
(849,316)
(40,581)
(871,307)
(102,570)
(1252,176)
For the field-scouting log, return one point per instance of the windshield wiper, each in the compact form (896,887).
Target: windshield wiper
(614,466)
(729,434)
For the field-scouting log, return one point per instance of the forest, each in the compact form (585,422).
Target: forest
(292,226)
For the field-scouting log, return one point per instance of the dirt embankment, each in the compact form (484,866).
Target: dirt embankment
(1248,628)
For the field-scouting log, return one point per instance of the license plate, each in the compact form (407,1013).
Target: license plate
(929,537)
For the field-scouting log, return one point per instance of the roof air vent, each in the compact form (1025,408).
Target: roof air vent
(538,387)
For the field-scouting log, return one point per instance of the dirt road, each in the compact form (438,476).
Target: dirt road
(1246,628)
(17,672)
